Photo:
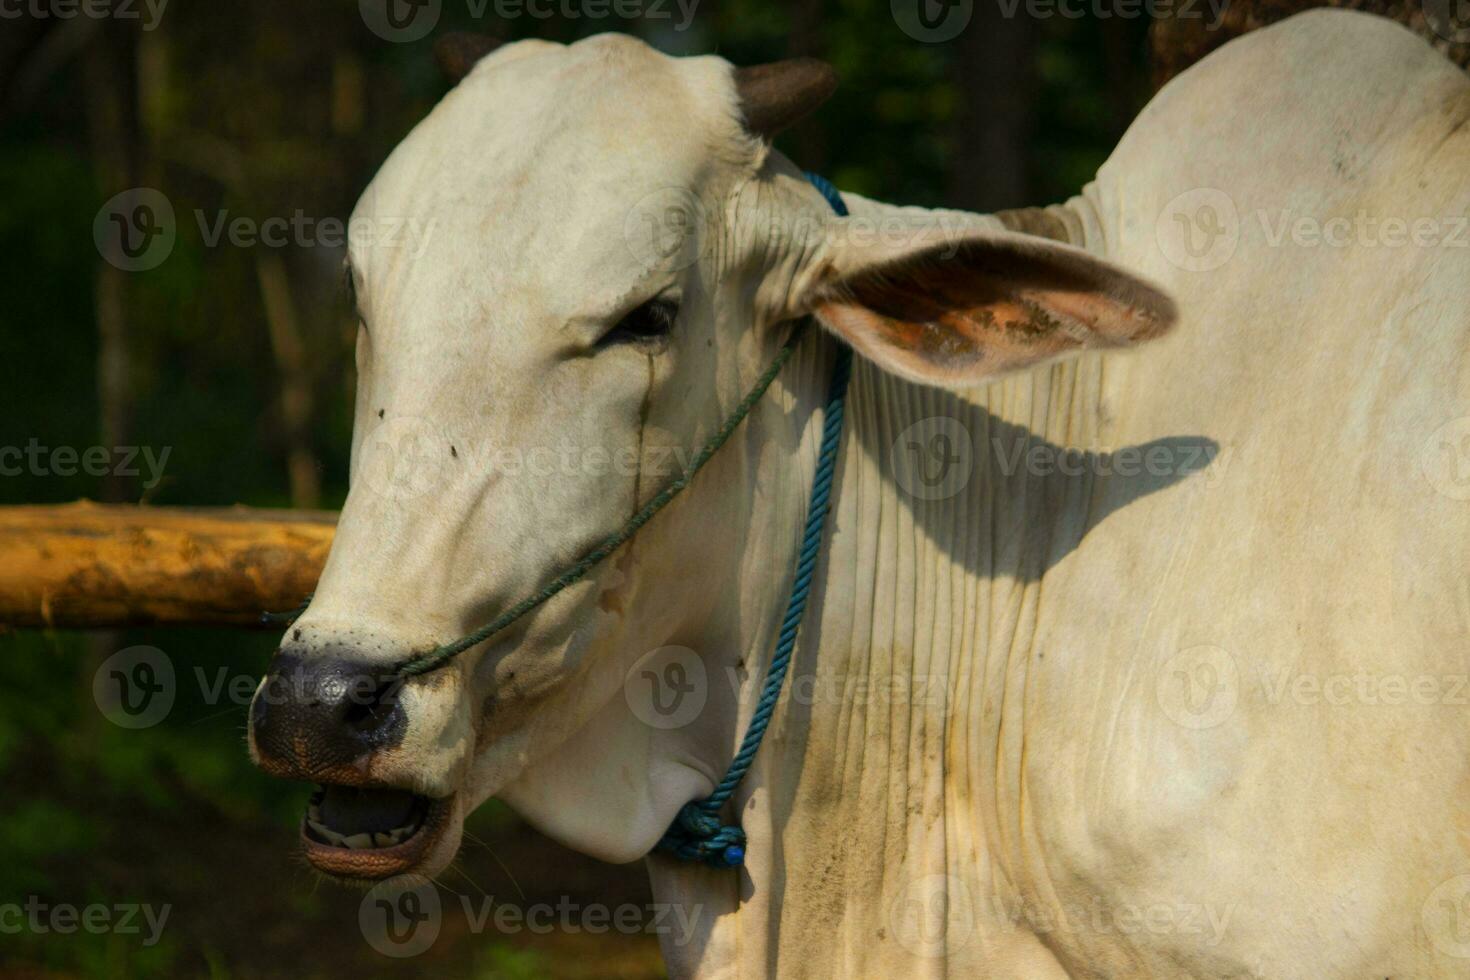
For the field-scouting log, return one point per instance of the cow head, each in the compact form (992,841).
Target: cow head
(567,276)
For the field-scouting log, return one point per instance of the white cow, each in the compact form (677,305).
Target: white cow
(1186,700)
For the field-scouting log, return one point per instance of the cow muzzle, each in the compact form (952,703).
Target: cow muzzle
(335,721)
(323,717)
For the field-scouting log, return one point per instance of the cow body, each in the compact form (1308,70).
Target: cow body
(1208,720)
(1143,663)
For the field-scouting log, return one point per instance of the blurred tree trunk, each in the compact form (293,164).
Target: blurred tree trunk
(349,96)
(109,67)
(994,73)
(109,72)
(296,396)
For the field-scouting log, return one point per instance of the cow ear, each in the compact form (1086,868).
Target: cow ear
(957,313)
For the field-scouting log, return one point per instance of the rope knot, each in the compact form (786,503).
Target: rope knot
(698,835)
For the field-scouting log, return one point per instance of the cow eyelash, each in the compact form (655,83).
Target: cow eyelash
(646,325)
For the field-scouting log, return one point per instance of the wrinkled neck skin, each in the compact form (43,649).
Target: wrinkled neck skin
(729,636)
(884,772)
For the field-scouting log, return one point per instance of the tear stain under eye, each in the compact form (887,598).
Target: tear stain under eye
(644,410)
(610,600)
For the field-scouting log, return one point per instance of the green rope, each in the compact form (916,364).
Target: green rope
(438,657)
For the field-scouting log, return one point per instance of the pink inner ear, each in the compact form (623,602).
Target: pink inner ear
(954,344)
(1109,320)
(990,308)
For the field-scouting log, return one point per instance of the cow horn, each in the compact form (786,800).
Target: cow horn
(780,94)
(457,52)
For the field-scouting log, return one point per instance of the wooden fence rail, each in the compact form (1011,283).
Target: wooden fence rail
(86,565)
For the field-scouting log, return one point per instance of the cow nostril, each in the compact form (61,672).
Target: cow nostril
(377,710)
(322,711)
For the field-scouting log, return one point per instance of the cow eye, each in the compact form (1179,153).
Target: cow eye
(647,325)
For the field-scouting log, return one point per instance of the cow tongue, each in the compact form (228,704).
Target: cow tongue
(349,810)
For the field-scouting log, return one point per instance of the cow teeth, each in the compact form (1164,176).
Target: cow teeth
(314,812)
(358,841)
(325,833)
(385,840)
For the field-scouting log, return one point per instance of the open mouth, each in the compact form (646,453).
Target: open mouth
(370,832)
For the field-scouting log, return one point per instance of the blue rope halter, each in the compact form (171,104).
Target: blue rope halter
(697,833)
